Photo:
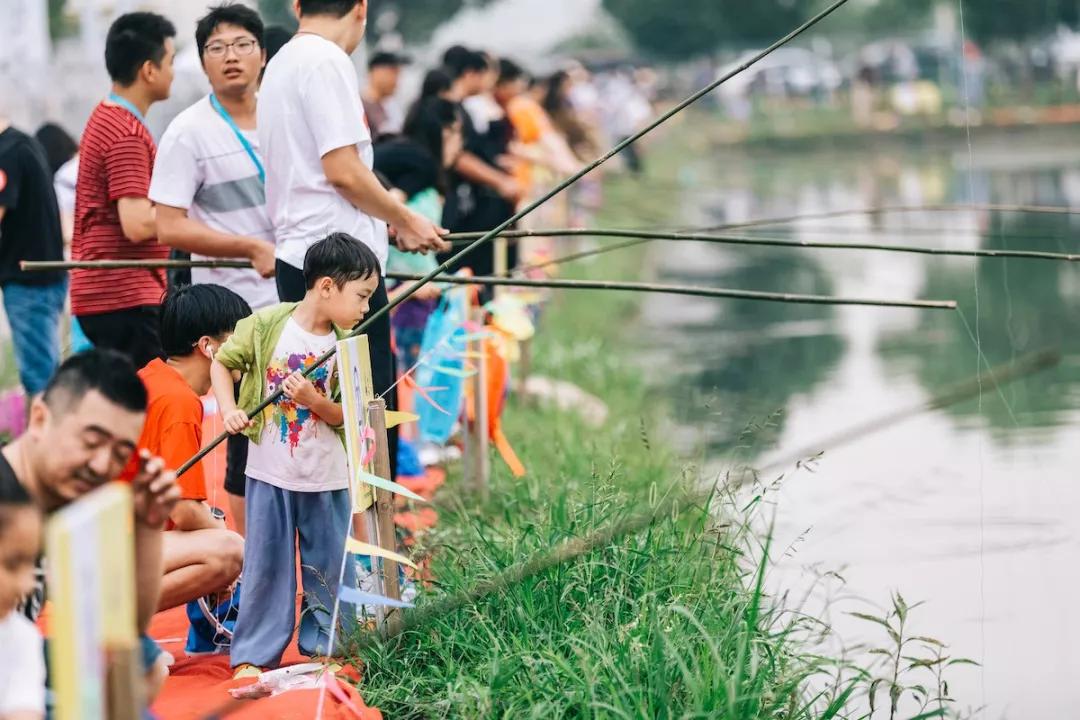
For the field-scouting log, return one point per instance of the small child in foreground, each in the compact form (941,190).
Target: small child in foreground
(297,471)
(22,660)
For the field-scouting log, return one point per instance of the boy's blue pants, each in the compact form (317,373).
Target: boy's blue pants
(276,518)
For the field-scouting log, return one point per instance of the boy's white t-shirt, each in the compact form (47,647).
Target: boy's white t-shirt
(202,167)
(298,451)
(22,666)
(309,104)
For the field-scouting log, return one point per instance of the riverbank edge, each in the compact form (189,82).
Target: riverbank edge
(564,641)
(915,134)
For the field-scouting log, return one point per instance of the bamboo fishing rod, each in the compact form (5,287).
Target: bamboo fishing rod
(900,209)
(648,235)
(524,212)
(642,235)
(1023,367)
(641,287)
(568,550)
(899,232)
(692,290)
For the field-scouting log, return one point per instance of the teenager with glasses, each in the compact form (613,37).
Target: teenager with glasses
(208,181)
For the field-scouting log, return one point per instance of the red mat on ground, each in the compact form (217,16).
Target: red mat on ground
(199,686)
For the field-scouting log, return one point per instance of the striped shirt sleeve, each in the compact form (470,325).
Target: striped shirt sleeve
(127,168)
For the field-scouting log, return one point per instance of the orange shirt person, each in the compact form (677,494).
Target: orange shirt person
(200,555)
(538,143)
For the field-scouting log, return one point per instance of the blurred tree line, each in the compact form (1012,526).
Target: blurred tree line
(413,20)
(693,28)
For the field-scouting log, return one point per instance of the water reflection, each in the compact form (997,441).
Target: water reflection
(779,349)
(970,508)
(1023,306)
(752,358)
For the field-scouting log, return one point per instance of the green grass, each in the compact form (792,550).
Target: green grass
(668,622)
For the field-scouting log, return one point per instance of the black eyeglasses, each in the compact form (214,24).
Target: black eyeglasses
(243,46)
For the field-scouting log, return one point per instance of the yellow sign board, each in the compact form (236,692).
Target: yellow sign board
(89,546)
(354,380)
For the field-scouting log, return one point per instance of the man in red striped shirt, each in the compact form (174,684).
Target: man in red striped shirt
(114,219)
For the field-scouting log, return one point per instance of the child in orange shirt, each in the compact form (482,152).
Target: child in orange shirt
(200,555)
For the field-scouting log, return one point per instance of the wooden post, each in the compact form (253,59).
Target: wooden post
(524,369)
(478,468)
(502,259)
(125,683)
(384,513)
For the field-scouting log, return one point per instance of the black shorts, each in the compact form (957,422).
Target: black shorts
(134,332)
(236,453)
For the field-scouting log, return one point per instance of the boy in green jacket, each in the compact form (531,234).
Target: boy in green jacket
(297,470)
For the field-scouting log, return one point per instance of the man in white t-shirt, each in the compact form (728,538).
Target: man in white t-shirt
(318,146)
(318,161)
(208,176)
(209,185)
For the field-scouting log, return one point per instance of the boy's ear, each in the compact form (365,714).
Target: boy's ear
(324,284)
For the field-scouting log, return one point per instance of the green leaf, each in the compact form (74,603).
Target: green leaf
(900,606)
(928,641)
(871,618)
(838,703)
(940,712)
(872,694)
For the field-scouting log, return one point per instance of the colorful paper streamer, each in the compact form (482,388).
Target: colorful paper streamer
(394,418)
(451,371)
(340,695)
(359,597)
(362,548)
(367,442)
(370,479)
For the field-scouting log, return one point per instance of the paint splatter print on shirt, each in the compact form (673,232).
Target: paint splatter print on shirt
(297,449)
(287,417)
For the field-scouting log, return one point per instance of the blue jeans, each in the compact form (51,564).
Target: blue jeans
(33,312)
(276,518)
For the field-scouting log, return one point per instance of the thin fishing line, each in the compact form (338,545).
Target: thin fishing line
(420,361)
(900,209)
(1009,318)
(985,362)
(562,259)
(978,361)
(899,233)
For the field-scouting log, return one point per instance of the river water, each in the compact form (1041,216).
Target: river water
(973,508)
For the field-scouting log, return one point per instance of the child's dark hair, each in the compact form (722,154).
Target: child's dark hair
(190,312)
(340,257)
(13,496)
